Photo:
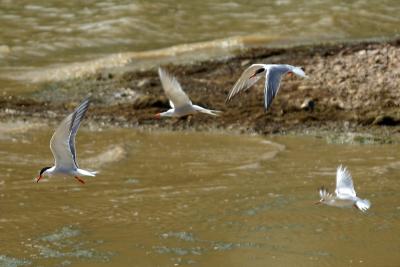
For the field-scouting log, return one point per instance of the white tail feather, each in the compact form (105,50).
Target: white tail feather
(86,173)
(207,111)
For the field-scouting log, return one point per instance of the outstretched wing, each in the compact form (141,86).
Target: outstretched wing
(344,183)
(246,80)
(173,90)
(273,80)
(272,83)
(62,143)
(324,194)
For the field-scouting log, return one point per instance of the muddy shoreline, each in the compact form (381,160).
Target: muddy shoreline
(352,87)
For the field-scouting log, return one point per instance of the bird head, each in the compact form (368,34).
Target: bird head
(299,71)
(168,113)
(257,72)
(42,173)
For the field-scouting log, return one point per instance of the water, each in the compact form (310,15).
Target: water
(38,34)
(194,199)
(185,199)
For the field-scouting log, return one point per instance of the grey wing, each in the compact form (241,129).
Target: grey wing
(246,80)
(272,84)
(173,90)
(62,143)
(344,182)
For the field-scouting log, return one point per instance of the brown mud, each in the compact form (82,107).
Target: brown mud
(353,86)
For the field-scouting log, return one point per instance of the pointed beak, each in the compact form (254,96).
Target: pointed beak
(157,116)
(317,203)
(38,179)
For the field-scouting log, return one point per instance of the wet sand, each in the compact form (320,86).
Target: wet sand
(353,86)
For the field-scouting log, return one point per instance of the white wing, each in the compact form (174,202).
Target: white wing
(246,80)
(173,90)
(344,183)
(62,144)
(363,204)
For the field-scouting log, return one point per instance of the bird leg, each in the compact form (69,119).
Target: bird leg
(80,180)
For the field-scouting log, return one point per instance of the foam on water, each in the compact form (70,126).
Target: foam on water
(12,262)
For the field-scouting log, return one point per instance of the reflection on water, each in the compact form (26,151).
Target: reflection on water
(168,199)
(39,33)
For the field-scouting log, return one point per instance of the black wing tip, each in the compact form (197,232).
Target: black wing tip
(86,99)
(79,113)
(85,103)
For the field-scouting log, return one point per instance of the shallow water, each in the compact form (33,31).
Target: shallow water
(41,33)
(194,199)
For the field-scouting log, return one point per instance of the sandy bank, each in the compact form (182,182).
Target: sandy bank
(352,86)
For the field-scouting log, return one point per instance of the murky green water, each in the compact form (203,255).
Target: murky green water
(194,199)
(39,34)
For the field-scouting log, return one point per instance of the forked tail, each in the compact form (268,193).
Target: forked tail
(207,111)
(86,173)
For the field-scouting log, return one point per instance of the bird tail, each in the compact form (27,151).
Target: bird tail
(215,112)
(212,112)
(207,111)
(363,204)
(87,173)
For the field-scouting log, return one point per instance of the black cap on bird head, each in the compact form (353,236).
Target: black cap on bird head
(43,170)
(257,72)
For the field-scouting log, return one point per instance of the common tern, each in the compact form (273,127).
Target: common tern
(62,145)
(273,74)
(345,195)
(178,100)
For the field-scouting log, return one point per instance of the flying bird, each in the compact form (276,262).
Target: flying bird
(345,195)
(62,145)
(273,74)
(178,100)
